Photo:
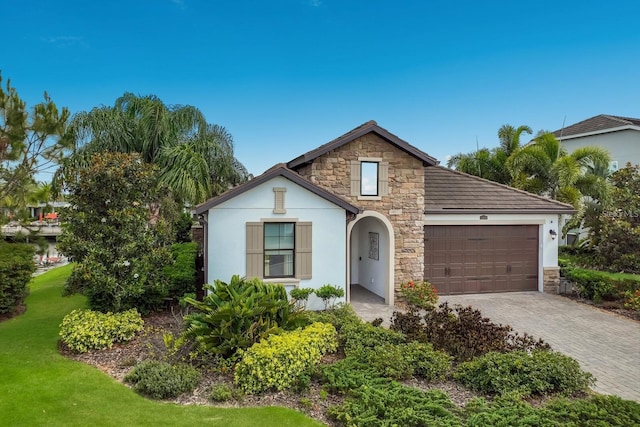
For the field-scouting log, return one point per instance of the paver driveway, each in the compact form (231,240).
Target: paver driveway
(605,344)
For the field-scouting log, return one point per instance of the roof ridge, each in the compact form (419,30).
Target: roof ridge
(506,187)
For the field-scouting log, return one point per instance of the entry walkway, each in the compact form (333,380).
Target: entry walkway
(605,344)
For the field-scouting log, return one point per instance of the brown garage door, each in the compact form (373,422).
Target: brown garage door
(468,259)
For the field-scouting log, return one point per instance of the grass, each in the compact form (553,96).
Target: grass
(40,387)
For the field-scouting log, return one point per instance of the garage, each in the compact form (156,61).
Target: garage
(465,259)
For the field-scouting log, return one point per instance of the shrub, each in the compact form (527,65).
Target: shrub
(632,300)
(329,294)
(419,294)
(84,330)
(337,316)
(300,296)
(402,361)
(161,380)
(410,324)
(464,333)
(349,374)
(539,372)
(182,273)
(595,410)
(356,336)
(395,405)
(281,361)
(221,393)
(238,314)
(510,410)
(16,268)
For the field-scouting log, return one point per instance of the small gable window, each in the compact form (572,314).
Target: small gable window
(369,178)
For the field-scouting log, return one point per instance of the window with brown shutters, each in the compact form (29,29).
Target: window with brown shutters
(279,250)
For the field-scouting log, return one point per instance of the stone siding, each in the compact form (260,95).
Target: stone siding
(403,206)
(551,280)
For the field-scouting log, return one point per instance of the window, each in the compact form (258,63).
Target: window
(369,178)
(279,249)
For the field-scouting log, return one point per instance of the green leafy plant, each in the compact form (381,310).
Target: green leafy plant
(349,374)
(84,330)
(237,314)
(282,361)
(300,296)
(538,372)
(419,294)
(161,380)
(16,267)
(329,294)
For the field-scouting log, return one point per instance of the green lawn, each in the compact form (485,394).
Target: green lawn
(39,387)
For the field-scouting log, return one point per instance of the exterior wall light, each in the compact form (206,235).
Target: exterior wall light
(553,234)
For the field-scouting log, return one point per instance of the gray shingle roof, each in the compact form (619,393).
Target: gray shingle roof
(600,123)
(450,191)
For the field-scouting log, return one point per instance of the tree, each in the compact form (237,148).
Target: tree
(119,253)
(614,230)
(491,164)
(30,142)
(195,159)
(545,168)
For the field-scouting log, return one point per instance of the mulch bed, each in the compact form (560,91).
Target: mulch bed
(616,307)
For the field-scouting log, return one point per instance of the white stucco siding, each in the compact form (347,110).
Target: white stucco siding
(547,246)
(623,146)
(227,233)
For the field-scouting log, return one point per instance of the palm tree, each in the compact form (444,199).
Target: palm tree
(195,158)
(491,164)
(545,168)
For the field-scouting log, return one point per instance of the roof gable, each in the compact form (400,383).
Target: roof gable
(451,191)
(368,127)
(599,124)
(277,170)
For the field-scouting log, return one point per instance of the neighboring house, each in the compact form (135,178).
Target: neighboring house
(369,209)
(619,135)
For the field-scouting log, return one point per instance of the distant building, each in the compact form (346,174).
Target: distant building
(619,135)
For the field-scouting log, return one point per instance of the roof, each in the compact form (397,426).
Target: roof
(451,191)
(368,127)
(599,124)
(275,171)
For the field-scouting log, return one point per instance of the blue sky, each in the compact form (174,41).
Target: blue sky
(285,76)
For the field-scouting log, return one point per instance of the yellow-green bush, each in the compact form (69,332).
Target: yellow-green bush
(84,330)
(282,361)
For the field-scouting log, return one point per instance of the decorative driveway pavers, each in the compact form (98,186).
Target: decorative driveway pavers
(605,344)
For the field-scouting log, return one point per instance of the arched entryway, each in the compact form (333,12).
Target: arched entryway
(370,251)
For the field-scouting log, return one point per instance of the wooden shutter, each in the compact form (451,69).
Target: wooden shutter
(255,250)
(355,178)
(383,180)
(304,259)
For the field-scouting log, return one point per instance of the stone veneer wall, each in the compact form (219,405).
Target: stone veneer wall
(551,280)
(403,206)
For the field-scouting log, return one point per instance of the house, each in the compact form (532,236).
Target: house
(619,135)
(368,209)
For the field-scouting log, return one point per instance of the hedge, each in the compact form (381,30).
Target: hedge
(16,268)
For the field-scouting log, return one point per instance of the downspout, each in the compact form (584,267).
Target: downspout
(202,219)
